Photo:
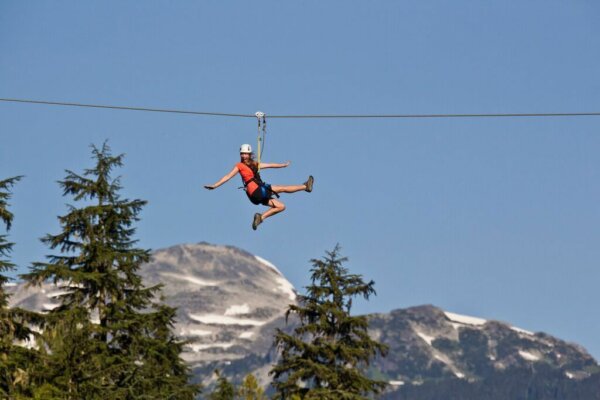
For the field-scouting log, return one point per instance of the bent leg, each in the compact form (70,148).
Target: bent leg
(276,207)
(288,189)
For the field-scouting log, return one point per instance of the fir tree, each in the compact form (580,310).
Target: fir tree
(325,356)
(250,389)
(15,361)
(224,390)
(128,350)
(6,217)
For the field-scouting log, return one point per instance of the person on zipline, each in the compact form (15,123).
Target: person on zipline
(259,192)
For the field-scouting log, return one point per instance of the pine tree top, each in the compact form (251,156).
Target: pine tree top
(96,240)
(326,354)
(98,263)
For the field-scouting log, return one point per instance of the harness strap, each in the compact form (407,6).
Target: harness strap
(255,179)
(260,184)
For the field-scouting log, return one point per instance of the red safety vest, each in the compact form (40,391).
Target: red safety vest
(251,181)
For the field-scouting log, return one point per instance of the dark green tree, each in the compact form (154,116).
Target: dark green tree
(15,360)
(224,390)
(326,355)
(250,389)
(108,338)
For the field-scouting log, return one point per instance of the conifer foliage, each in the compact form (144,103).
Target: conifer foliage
(14,360)
(224,390)
(325,356)
(6,217)
(107,338)
(250,389)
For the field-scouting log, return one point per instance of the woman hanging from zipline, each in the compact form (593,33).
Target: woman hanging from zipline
(258,191)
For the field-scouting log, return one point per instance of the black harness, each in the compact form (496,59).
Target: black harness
(258,180)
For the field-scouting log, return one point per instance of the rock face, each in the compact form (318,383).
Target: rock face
(229,303)
(433,352)
(426,342)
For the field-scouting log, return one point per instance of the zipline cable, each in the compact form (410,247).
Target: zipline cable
(308,116)
(340,116)
(161,110)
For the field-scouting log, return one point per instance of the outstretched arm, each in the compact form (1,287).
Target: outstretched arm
(223,179)
(274,165)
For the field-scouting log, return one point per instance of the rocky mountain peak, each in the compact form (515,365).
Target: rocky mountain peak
(429,343)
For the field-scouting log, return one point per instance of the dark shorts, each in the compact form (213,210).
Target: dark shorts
(262,195)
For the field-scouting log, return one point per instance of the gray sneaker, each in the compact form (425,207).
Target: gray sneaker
(309,183)
(257,220)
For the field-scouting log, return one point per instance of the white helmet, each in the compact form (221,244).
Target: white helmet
(245,148)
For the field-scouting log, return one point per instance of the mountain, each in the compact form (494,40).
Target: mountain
(225,297)
(229,303)
(435,353)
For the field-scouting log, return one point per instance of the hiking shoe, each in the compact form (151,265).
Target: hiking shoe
(257,220)
(309,183)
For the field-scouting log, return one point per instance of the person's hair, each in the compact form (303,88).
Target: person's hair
(250,162)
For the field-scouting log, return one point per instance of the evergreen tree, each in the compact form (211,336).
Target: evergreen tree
(15,361)
(250,389)
(224,390)
(325,356)
(107,339)
(7,327)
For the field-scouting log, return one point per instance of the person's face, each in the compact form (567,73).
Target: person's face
(245,156)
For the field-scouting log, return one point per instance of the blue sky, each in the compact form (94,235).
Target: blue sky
(496,218)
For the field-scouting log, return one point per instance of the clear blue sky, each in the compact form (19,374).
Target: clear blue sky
(497,218)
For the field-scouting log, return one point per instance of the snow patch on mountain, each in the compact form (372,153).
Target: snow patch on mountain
(529,356)
(246,335)
(464,319)
(514,328)
(237,310)
(200,332)
(200,347)
(438,355)
(191,279)
(49,306)
(194,332)
(457,320)
(223,320)
(268,264)
(286,287)
(57,293)
(425,337)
